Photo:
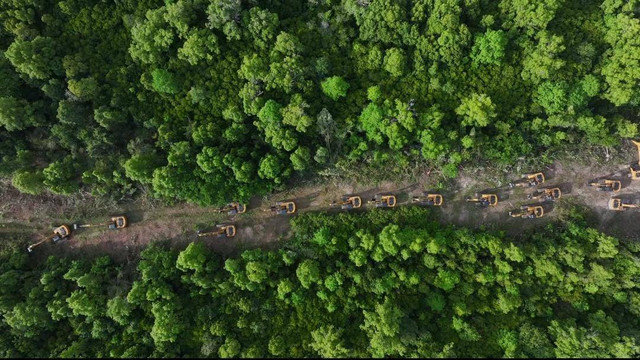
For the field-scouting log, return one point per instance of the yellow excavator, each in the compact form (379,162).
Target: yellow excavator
(528,212)
(484,200)
(428,199)
(59,233)
(283,208)
(384,200)
(607,185)
(635,167)
(348,202)
(116,223)
(233,208)
(621,204)
(227,230)
(547,194)
(529,180)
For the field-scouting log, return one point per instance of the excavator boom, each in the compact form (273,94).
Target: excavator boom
(484,200)
(59,233)
(635,167)
(529,180)
(607,185)
(116,223)
(221,229)
(427,199)
(528,212)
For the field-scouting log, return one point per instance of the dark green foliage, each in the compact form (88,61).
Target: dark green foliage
(377,284)
(258,90)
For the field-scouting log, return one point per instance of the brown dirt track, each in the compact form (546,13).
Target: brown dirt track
(24,216)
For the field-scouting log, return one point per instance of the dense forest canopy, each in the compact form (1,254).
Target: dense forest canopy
(381,283)
(207,100)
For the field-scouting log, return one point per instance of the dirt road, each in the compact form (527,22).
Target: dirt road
(28,216)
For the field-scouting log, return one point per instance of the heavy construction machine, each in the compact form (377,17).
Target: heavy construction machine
(59,233)
(233,208)
(484,200)
(547,194)
(428,199)
(348,202)
(529,180)
(607,185)
(635,167)
(116,223)
(384,200)
(621,204)
(528,212)
(227,230)
(283,207)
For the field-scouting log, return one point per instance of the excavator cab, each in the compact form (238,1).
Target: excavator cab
(427,199)
(528,212)
(548,194)
(348,202)
(484,200)
(116,223)
(384,200)
(621,204)
(283,207)
(59,233)
(635,167)
(529,180)
(226,230)
(233,208)
(607,185)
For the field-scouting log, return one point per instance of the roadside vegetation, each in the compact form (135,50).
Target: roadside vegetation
(212,100)
(380,283)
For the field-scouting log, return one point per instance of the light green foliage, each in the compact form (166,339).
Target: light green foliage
(301,158)
(29,182)
(623,34)
(200,45)
(36,58)
(17,114)
(335,87)
(489,47)
(164,81)
(394,62)
(476,110)
(308,272)
(140,167)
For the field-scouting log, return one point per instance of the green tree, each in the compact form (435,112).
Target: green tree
(335,87)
